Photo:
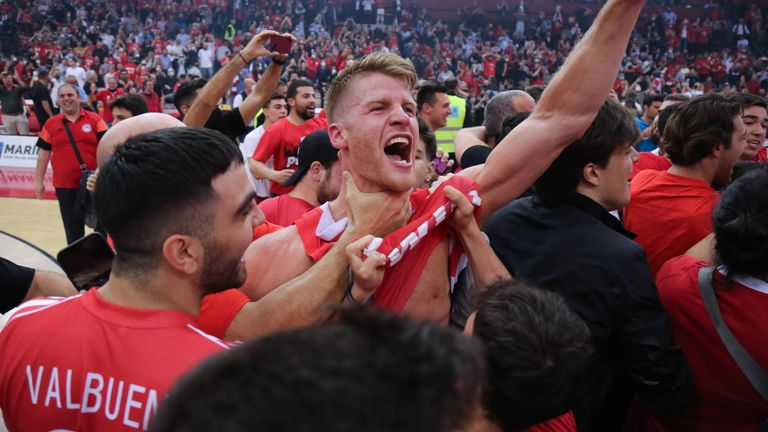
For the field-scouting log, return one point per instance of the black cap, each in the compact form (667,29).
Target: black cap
(315,147)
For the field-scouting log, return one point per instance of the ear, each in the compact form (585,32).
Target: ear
(317,171)
(336,134)
(590,174)
(717,151)
(184,253)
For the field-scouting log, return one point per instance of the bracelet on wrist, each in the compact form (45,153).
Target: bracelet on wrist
(243,59)
(278,62)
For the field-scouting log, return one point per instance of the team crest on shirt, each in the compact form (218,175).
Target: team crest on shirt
(87,128)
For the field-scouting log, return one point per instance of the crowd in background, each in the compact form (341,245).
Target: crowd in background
(488,48)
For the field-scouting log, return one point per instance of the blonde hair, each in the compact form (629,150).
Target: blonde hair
(385,63)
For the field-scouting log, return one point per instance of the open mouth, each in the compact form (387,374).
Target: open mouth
(754,143)
(398,150)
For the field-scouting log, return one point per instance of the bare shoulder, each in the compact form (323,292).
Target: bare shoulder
(273,260)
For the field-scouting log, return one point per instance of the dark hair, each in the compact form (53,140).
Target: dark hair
(133,102)
(535,91)
(698,127)
(187,92)
(430,142)
(510,122)
(740,223)
(275,96)
(663,117)
(158,184)
(677,97)
(612,128)
(294,87)
(650,99)
(538,354)
(371,371)
(426,94)
(500,106)
(451,84)
(747,100)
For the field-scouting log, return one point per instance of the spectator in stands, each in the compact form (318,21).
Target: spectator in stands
(723,398)
(434,105)
(127,106)
(539,357)
(316,180)
(151,97)
(419,377)
(281,141)
(423,159)
(671,210)
(12,100)
(755,116)
(23,283)
(651,106)
(105,96)
(73,127)
(619,302)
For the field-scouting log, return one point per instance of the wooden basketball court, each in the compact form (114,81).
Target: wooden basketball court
(36,222)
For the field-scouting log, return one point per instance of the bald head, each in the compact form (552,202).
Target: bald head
(506,103)
(131,127)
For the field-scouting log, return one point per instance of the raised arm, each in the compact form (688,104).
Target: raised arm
(264,88)
(209,95)
(566,109)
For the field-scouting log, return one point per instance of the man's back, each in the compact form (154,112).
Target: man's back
(669,213)
(82,363)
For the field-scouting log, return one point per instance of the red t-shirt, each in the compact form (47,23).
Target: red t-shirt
(284,209)
(648,160)
(723,399)
(87,131)
(281,142)
(669,213)
(105,96)
(564,423)
(82,363)
(761,156)
(153,102)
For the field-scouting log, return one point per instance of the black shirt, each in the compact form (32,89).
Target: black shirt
(229,123)
(15,281)
(11,100)
(583,253)
(39,94)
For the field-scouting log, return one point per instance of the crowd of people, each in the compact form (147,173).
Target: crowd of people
(300,238)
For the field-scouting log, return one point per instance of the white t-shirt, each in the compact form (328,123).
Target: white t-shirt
(247,147)
(206,58)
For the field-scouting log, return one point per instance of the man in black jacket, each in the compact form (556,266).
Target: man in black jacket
(564,239)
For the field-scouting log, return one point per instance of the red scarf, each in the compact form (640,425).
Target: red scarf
(408,248)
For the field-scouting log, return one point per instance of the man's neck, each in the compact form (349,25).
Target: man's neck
(296,119)
(72,116)
(646,119)
(306,191)
(704,171)
(152,294)
(430,124)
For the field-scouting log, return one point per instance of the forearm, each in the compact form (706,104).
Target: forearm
(486,266)
(209,95)
(50,284)
(47,109)
(43,157)
(261,93)
(298,302)
(259,170)
(704,250)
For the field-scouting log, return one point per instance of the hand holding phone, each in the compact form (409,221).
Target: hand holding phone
(281,44)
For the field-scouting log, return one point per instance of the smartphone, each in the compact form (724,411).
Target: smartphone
(281,44)
(87,262)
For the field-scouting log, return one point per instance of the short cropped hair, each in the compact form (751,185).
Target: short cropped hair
(613,127)
(511,122)
(187,92)
(698,127)
(538,354)
(133,102)
(747,100)
(498,108)
(371,371)
(427,94)
(378,62)
(430,142)
(740,223)
(648,100)
(677,97)
(294,88)
(156,185)
(275,96)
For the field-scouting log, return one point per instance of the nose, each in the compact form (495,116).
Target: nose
(399,116)
(257,216)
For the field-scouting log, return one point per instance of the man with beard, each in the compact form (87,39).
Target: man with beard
(373,122)
(103,360)
(316,181)
(281,140)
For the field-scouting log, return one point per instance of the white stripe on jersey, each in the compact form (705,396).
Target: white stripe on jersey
(37,305)
(211,338)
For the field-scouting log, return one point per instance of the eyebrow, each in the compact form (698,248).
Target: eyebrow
(245,203)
